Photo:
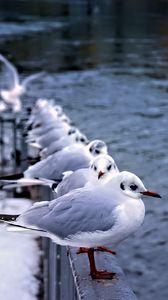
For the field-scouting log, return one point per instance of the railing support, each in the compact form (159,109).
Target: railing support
(116,289)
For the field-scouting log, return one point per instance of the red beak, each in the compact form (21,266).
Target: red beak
(151,194)
(100,174)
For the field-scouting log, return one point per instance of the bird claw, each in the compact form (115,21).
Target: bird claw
(104,249)
(102,275)
(101,249)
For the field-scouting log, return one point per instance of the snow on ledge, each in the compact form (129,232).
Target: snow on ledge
(19,257)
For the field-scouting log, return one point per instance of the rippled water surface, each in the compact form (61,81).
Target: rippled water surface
(110,72)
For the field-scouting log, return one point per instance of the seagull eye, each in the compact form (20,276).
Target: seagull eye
(122,186)
(91,149)
(82,140)
(97,151)
(109,167)
(95,168)
(133,187)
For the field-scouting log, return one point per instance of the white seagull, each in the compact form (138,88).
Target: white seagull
(73,136)
(12,95)
(90,217)
(70,158)
(101,170)
(50,135)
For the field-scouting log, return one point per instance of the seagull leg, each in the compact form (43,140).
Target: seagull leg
(82,250)
(94,273)
(104,249)
(101,249)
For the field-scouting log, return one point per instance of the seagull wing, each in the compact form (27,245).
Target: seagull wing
(80,211)
(73,181)
(55,165)
(30,78)
(12,70)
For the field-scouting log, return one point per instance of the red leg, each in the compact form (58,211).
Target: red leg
(101,249)
(95,274)
(82,250)
(104,249)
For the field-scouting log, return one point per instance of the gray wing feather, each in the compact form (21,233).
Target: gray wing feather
(57,145)
(54,165)
(72,214)
(74,181)
(46,139)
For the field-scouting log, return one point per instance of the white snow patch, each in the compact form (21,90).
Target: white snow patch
(19,257)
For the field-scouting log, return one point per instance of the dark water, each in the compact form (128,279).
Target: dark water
(107,64)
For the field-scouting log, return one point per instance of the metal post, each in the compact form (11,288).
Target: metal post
(14,144)
(23,147)
(2,144)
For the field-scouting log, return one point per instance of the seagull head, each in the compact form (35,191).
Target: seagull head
(58,109)
(72,131)
(41,103)
(80,138)
(77,136)
(132,186)
(104,167)
(97,147)
(65,119)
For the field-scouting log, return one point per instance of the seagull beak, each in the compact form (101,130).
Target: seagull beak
(100,174)
(151,194)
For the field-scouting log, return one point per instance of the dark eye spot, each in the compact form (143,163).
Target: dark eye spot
(82,140)
(133,187)
(71,131)
(91,149)
(97,151)
(37,125)
(109,167)
(122,186)
(95,168)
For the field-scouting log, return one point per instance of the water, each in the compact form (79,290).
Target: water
(107,64)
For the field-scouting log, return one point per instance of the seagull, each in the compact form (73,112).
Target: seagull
(72,136)
(50,135)
(101,170)
(49,118)
(12,95)
(40,128)
(44,112)
(70,158)
(90,217)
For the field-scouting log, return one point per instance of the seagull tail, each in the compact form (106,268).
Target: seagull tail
(9,221)
(23,182)
(51,183)
(8,218)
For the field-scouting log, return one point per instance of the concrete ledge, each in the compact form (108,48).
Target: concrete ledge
(88,289)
